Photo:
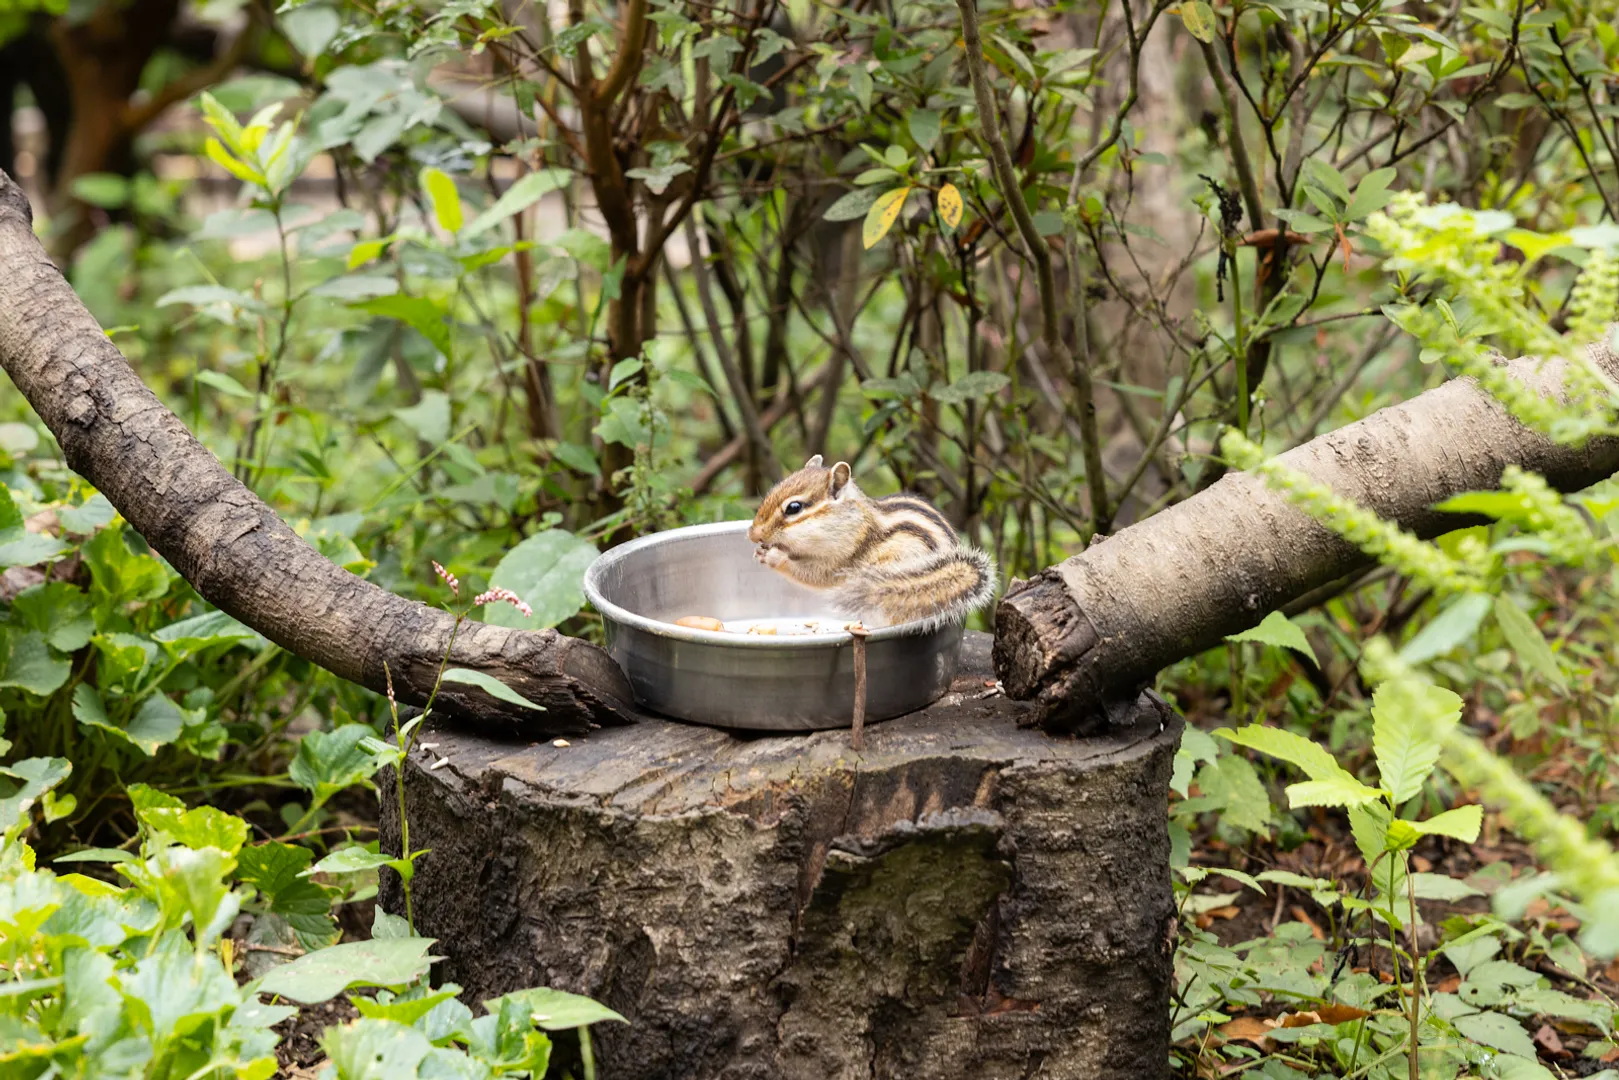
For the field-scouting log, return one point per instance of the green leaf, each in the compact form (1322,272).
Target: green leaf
(173,991)
(1454,625)
(1325,177)
(356,287)
(354,859)
(1497,1032)
(576,457)
(87,517)
(419,313)
(1409,722)
(58,610)
(207,295)
(406,1011)
(548,571)
(10,517)
(1231,787)
(26,662)
(21,548)
(974,384)
(203,631)
(491,686)
(924,125)
(555,1010)
(191,882)
(329,761)
(310,28)
(1441,887)
(1329,784)
(202,827)
(852,206)
(109,191)
(625,369)
(429,418)
(1462,823)
(119,575)
(446,200)
(1528,642)
(321,976)
(1280,631)
(35,777)
(374,1048)
(527,191)
(1371,194)
(225,384)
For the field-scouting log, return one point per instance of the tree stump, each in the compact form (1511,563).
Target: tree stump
(969,897)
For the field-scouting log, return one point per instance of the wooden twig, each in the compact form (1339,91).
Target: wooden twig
(857,737)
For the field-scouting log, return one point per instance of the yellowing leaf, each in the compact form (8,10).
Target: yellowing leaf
(1199,20)
(882,215)
(949,204)
(220,156)
(446,200)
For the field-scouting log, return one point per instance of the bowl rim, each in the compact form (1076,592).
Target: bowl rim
(614,613)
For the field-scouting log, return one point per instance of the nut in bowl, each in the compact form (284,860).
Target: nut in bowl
(799,678)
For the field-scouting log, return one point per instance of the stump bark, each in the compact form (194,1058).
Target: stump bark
(967,897)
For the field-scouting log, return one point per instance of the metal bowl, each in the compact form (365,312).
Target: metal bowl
(800,682)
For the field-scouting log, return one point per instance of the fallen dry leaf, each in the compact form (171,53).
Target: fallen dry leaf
(1230,911)
(1340,1014)
(1448,986)
(1298,1019)
(1245,1029)
(1302,916)
(1548,1040)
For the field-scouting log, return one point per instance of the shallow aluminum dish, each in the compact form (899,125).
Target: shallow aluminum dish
(800,682)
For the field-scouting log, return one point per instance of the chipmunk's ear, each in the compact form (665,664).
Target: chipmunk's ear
(813,463)
(841,475)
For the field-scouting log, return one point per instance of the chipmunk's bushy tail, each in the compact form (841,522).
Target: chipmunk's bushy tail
(935,591)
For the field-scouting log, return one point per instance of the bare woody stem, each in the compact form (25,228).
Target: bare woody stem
(1040,254)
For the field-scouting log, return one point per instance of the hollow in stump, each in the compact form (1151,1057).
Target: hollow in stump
(966,897)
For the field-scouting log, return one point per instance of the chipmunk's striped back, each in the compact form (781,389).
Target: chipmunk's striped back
(883,561)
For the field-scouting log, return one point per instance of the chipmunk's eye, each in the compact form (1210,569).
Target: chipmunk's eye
(792,508)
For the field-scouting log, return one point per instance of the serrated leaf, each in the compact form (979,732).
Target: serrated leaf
(1497,1032)
(1462,823)
(200,827)
(547,571)
(329,761)
(974,384)
(1528,642)
(490,685)
(445,198)
(1279,631)
(321,976)
(950,206)
(882,215)
(1409,722)
(1329,785)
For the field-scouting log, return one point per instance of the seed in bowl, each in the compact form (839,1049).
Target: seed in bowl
(700,622)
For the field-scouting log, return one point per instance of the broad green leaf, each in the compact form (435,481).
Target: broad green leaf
(1329,785)
(401,1011)
(201,827)
(225,384)
(191,882)
(1230,787)
(1528,642)
(21,548)
(548,571)
(1497,1031)
(625,369)
(34,777)
(429,418)
(205,295)
(354,859)
(156,723)
(1441,887)
(419,313)
(60,611)
(1454,625)
(1409,722)
(555,1010)
(527,191)
(852,206)
(203,631)
(310,28)
(1371,194)
(374,1048)
(87,517)
(491,686)
(446,200)
(329,761)
(10,517)
(27,663)
(882,215)
(173,990)
(18,440)
(924,125)
(321,976)
(96,854)
(1462,823)
(356,287)
(1279,631)
(120,575)
(974,384)
(1512,1067)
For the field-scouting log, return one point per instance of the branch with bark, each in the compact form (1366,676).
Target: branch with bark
(235,551)
(1091,630)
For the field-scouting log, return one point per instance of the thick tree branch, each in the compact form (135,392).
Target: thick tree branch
(1094,628)
(233,548)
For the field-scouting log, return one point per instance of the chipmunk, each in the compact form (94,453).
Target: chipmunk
(884,561)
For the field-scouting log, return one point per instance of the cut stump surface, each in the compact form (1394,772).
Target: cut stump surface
(967,897)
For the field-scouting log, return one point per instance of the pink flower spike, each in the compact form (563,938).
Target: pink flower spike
(449,578)
(497,595)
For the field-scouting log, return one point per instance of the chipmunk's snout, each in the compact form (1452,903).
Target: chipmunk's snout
(756,534)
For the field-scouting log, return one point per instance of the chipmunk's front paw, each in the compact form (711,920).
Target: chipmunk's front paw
(773,557)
